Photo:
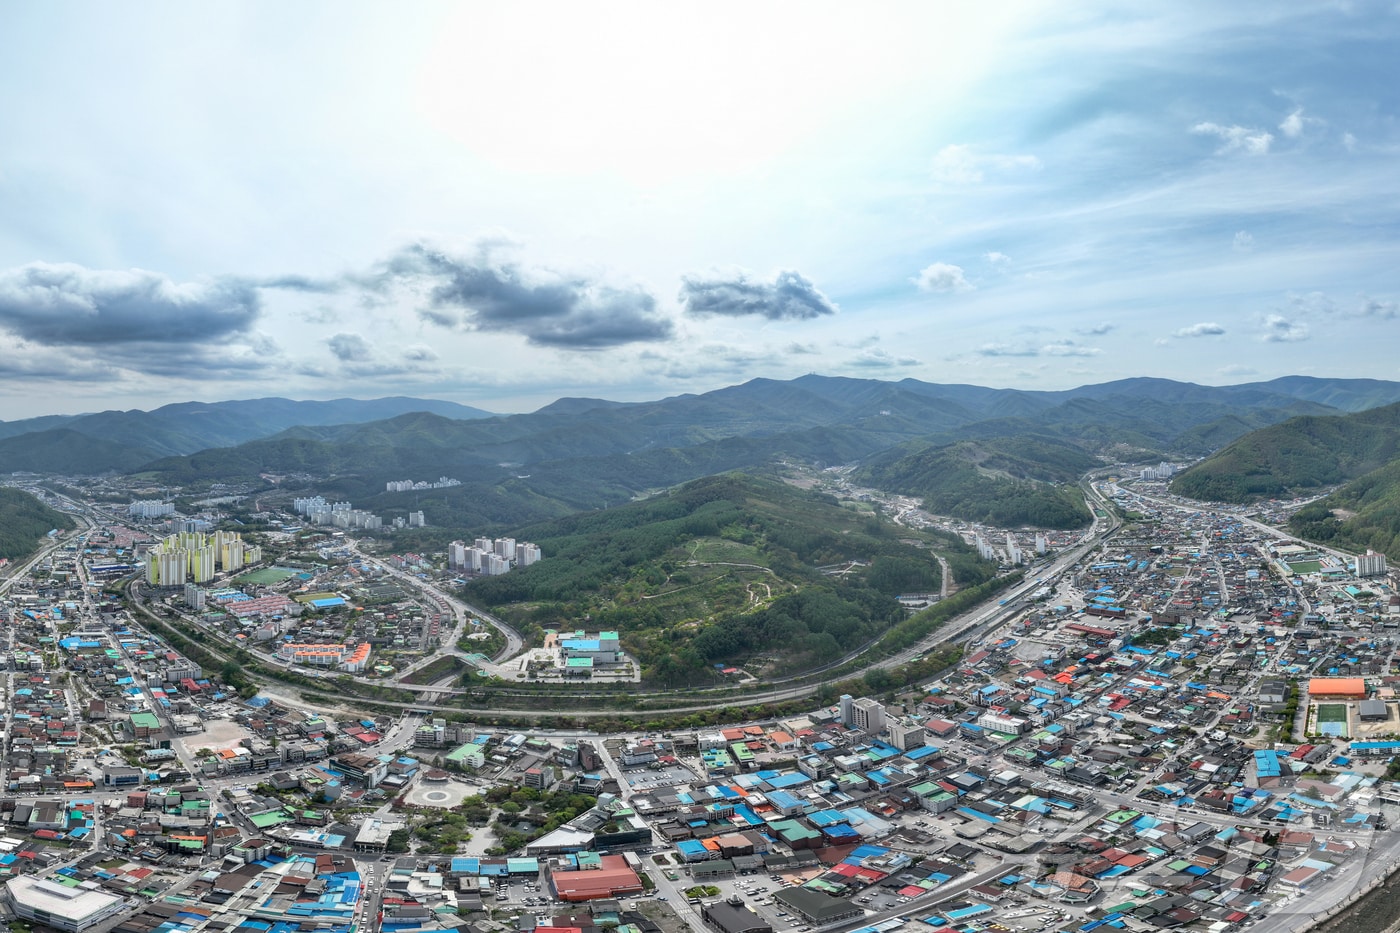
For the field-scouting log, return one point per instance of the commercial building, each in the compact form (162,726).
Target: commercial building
(905,736)
(610,878)
(70,908)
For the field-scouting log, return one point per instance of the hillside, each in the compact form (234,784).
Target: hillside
(1006,481)
(1364,513)
(63,450)
(1296,456)
(723,569)
(24,521)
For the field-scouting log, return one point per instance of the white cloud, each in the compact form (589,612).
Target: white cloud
(1203,329)
(1292,125)
(1236,138)
(1279,329)
(1062,348)
(962,165)
(997,259)
(1377,308)
(1244,242)
(1238,369)
(1096,330)
(1348,142)
(942,277)
(880,359)
(1068,348)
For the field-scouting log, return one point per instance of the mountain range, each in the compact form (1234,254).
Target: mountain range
(119,441)
(959,446)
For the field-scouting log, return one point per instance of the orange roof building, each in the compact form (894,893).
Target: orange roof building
(611,879)
(1350,688)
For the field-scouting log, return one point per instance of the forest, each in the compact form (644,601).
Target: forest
(24,521)
(1009,481)
(727,569)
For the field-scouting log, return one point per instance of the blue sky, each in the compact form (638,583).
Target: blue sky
(502,204)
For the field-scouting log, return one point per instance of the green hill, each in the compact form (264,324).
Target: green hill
(24,521)
(723,569)
(1007,481)
(1364,513)
(1299,455)
(63,450)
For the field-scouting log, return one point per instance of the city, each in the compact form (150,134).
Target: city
(1173,716)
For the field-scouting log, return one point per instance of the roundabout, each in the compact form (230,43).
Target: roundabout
(444,796)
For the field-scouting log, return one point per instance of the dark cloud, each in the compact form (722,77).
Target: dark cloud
(487,293)
(349,348)
(302,283)
(789,297)
(62,304)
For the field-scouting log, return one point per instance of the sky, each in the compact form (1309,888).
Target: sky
(502,204)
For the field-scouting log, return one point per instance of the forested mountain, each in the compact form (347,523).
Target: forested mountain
(1006,481)
(1364,513)
(725,568)
(1299,455)
(24,521)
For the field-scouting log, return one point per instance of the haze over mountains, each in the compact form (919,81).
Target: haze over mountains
(1000,455)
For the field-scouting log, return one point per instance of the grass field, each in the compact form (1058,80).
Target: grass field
(1305,566)
(1331,712)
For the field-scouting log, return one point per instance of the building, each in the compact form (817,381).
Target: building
(1373,711)
(374,835)
(817,908)
(867,715)
(150,508)
(351,658)
(72,909)
(733,916)
(904,736)
(1341,688)
(193,555)
(365,769)
(612,878)
(604,649)
(1370,564)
